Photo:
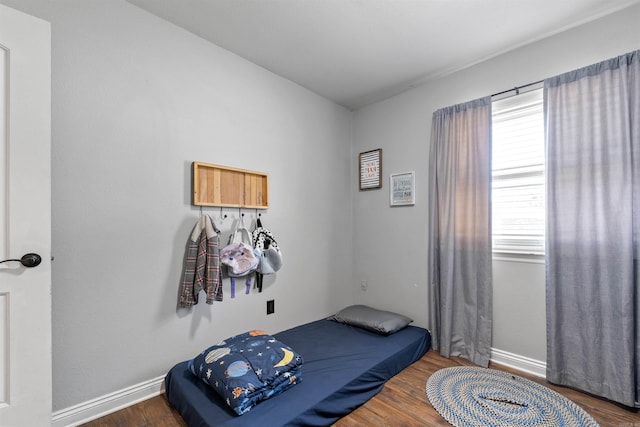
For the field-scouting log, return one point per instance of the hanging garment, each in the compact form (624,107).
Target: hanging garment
(202,265)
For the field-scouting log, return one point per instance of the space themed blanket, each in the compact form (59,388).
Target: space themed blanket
(248,368)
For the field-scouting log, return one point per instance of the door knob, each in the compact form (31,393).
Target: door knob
(27,260)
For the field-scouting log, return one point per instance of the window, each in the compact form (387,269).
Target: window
(518,174)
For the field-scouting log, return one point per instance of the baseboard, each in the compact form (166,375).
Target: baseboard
(522,363)
(107,404)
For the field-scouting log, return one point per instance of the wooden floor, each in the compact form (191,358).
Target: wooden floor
(402,402)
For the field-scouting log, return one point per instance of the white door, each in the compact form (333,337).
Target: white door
(25,219)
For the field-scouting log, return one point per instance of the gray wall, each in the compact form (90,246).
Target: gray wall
(135,101)
(390,243)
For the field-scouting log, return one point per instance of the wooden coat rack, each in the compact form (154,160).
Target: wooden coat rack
(215,185)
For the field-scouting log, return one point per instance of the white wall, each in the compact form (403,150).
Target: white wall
(135,101)
(390,243)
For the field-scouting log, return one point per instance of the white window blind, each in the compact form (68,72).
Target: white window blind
(518,174)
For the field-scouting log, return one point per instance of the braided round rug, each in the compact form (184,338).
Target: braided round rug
(474,396)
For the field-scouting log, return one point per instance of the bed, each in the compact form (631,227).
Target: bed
(344,366)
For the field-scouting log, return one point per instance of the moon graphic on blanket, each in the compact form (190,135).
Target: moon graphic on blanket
(288,357)
(216,354)
(237,369)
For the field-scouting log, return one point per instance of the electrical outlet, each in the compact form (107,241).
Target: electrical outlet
(271,306)
(364,285)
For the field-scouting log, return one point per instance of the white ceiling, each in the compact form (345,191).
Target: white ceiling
(356,52)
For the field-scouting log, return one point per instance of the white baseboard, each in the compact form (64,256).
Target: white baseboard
(521,363)
(107,404)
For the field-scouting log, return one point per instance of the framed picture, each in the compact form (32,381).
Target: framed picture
(402,191)
(370,163)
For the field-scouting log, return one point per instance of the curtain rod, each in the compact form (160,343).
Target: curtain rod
(517,88)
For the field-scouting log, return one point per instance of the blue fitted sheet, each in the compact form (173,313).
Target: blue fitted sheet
(344,366)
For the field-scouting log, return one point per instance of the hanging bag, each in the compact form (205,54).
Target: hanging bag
(268,251)
(239,256)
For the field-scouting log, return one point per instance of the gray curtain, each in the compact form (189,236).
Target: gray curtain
(460,231)
(593,219)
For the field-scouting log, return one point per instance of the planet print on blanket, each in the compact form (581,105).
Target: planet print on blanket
(237,369)
(217,354)
(248,368)
(256,343)
(473,396)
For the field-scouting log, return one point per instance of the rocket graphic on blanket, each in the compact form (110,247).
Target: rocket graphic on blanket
(248,368)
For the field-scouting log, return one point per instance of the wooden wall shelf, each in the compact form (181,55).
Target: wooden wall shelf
(215,185)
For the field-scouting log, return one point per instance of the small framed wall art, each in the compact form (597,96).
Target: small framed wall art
(370,163)
(402,190)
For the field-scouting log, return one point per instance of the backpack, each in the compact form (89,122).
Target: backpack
(268,251)
(239,257)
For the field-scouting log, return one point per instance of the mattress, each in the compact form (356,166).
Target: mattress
(344,366)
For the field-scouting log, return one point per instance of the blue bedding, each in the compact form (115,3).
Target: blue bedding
(248,368)
(344,366)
